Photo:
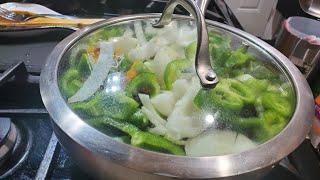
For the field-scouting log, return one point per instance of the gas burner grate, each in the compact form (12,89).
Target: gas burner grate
(20,151)
(8,139)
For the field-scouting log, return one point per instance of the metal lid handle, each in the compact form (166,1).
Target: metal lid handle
(204,70)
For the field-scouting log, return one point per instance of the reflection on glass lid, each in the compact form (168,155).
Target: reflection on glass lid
(138,85)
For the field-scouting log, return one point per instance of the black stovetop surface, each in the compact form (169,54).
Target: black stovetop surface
(42,156)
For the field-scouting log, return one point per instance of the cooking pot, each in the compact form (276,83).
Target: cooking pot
(299,41)
(105,157)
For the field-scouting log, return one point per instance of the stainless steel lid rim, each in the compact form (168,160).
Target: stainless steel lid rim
(264,155)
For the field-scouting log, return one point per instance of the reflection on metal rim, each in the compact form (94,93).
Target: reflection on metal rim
(138,159)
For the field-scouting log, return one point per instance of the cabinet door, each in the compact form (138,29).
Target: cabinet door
(253,15)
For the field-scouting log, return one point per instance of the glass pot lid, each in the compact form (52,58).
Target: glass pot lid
(138,84)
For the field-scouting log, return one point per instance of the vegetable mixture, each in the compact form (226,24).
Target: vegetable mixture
(138,85)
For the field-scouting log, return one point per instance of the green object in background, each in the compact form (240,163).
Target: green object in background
(145,82)
(142,139)
(173,70)
(114,105)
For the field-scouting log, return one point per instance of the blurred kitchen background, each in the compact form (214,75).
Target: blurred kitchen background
(259,17)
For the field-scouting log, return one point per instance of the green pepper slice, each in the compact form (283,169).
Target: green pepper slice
(173,71)
(229,94)
(145,82)
(69,82)
(277,103)
(144,139)
(114,105)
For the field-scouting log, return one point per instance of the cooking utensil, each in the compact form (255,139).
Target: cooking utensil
(299,40)
(13,19)
(311,7)
(11,16)
(208,77)
(104,157)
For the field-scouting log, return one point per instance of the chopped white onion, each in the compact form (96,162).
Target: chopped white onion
(139,32)
(164,102)
(123,45)
(98,75)
(218,142)
(143,52)
(179,88)
(128,32)
(184,121)
(186,35)
(147,105)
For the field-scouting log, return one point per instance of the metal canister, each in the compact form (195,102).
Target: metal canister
(299,40)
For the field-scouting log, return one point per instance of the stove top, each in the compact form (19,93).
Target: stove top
(28,146)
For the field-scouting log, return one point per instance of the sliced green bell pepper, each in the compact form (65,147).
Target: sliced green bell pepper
(271,126)
(220,49)
(84,66)
(139,119)
(229,94)
(104,34)
(139,67)
(145,82)
(173,70)
(190,51)
(70,82)
(257,85)
(124,64)
(277,103)
(143,139)
(115,105)
(237,58)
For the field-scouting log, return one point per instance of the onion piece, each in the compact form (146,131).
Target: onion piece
(143,52)
(164,102)
(122,45)
(186,35)
(98,75)
(184,121)
(218,142)
(139,32)
(146,102)
(180,87)
(128,32)
(148,110)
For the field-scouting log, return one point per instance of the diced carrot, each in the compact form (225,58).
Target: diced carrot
(131,73)
(317,100)
(94,52)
